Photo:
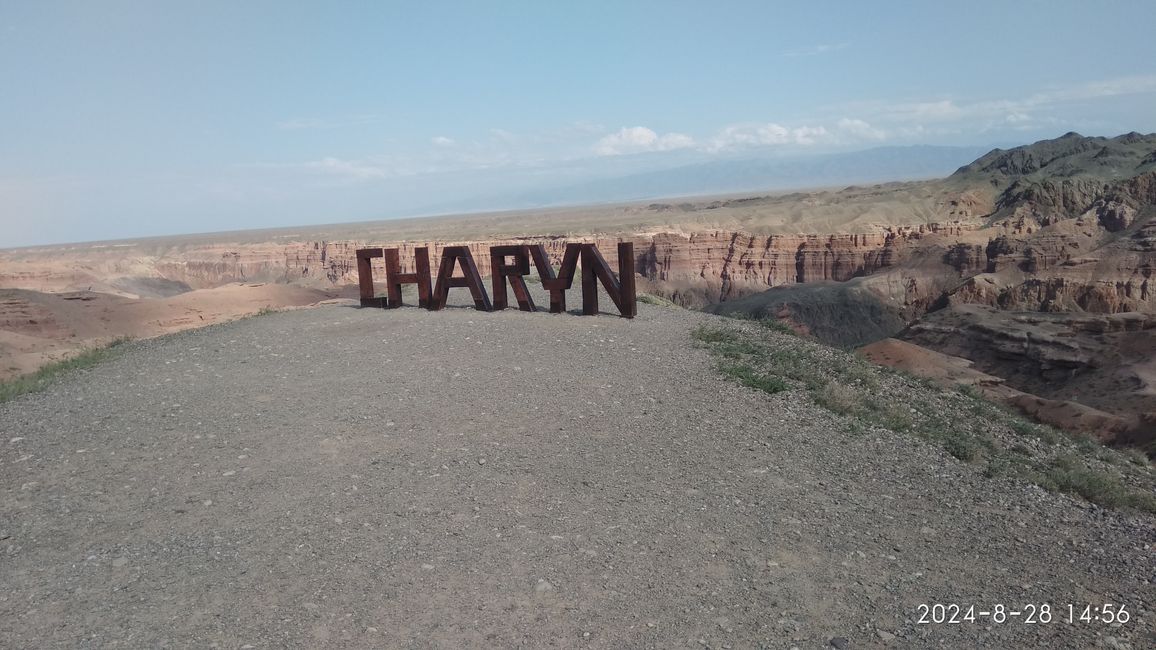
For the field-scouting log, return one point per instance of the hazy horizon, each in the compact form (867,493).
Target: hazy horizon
(593,204)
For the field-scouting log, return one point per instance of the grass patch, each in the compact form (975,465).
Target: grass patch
(751,378)
(711,335)
(1068,474)
(837,398)
(968,390)
(1033,430)
(48,374)
(767,322)
(776,325)
(266,310)
(891,417)
(1136,457)
(651,299)
(964,448)
(738,349)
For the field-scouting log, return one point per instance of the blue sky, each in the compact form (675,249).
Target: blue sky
(142,118)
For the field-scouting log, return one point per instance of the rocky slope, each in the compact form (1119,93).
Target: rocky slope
(1068,278)
(1050,290)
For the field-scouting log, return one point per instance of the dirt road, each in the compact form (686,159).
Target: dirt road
(343,477)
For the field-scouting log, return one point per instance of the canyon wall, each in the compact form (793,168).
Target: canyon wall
(712,266)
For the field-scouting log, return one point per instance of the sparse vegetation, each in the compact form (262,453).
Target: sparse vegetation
(651,299)
(773,324)
(962,422)
(748,376)
(712,335)
(776,325)
(1033,430)
(46,375)
(1070,474)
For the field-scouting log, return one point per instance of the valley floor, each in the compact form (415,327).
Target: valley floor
(344,477)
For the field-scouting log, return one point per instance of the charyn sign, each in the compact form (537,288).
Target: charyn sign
(508,264)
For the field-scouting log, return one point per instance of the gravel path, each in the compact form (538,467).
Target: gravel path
(343,477)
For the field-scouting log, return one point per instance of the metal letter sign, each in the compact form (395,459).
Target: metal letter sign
(508,264)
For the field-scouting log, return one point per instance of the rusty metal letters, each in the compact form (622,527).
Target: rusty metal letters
(509,265)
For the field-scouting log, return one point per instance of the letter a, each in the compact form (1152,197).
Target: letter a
(446,279)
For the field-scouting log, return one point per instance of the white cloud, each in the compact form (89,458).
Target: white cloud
(1134,85)
(1037,110)
(348,169)
(815,50)
(937,111)
(761,135)
(860,129)
(808,135)
(442,141)
(339,122)
(639,139)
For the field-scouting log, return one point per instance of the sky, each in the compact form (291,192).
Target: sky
(140,118)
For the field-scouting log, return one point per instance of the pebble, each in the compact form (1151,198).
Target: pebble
(840,643)
(543,586)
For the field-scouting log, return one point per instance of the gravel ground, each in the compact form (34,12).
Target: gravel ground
(344,477)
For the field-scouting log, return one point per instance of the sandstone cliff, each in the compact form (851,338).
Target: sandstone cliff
(706,267)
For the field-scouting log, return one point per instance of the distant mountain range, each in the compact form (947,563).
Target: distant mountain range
(1070,156)
(745,174)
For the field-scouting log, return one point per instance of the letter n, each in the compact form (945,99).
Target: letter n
(365,277)
(621,289)
(450,256)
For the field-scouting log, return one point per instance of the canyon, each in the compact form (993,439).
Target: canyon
(1033,267)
